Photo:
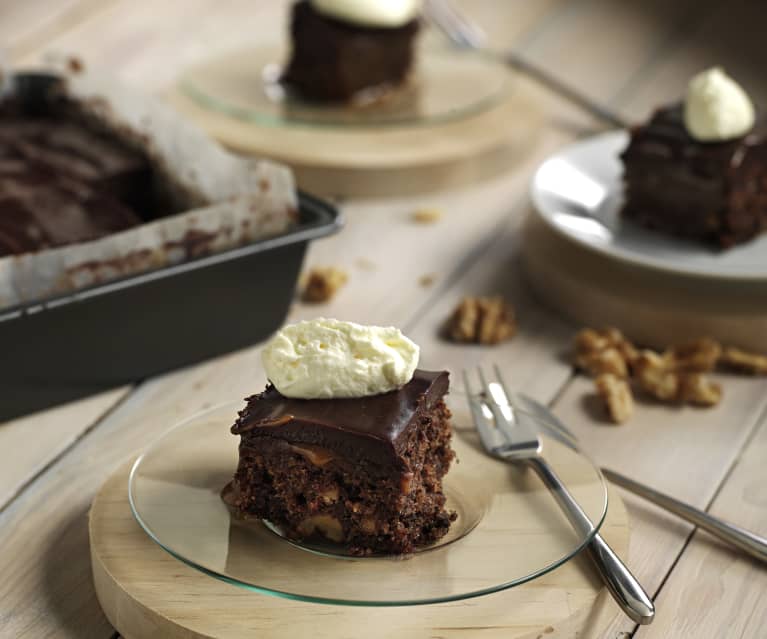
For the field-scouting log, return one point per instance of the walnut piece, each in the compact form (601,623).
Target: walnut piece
(427,216)
(656,377)
(697,389)
(605,351)
(699,356)
(482,320)
(674,376)
(616,395)
(322,283)
(745,362)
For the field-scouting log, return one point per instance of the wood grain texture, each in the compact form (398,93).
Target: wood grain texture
(54,431)
(729,590)
(147,593)
(728,34)
(685,452)
(617,39)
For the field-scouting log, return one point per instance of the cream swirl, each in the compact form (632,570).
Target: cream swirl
(716,107)
(326,358)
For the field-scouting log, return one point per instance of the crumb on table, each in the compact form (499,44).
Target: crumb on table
(427,216)
(321,283)
(427,280)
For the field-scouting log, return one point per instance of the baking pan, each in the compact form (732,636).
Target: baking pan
(121,332)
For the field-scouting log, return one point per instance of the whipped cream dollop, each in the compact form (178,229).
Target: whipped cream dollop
(370,13)
(325,358)
(717,108)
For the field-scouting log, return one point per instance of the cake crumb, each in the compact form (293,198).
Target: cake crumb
(482,320)
(427,280)
(427,216)
(365,264)
(75,65)
(320,284)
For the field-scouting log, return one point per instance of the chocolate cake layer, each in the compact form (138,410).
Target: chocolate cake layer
(711,191)
(62,183)
(366,473)
(371,428)
(333,60)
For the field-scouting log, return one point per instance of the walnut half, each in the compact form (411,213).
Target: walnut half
(699,356)
(482,320)
(697,389)
(605,351)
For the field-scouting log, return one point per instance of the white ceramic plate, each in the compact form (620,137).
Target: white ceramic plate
(578,192)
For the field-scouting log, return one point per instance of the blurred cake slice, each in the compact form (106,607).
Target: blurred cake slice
(699,169)
(342,49)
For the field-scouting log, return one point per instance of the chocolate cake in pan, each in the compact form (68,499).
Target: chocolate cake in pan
(99,182)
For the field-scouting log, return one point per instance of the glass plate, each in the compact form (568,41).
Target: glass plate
(447,84)
(509,529)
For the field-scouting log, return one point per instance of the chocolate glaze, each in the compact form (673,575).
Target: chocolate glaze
(714,191)
(371,428)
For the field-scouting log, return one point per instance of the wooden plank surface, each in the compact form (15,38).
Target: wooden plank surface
(634,55)
(729,591)
(685,453)
(729,35)
(53,431)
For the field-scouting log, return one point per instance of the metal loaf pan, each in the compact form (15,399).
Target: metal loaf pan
(124,331)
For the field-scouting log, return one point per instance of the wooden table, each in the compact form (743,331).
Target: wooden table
(629,56)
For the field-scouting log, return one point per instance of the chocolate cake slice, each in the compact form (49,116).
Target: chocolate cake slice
(715,192)
(333,60)
(364,472)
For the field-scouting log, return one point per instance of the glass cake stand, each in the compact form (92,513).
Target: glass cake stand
(447,84)
(509,530)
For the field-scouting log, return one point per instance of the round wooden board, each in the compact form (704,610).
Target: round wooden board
(359,161)
(653,307)
(146,593)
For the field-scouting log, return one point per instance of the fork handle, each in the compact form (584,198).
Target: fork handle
(623,586)
(747,541)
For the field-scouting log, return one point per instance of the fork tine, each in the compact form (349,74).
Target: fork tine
(439,14)
(501,421)
(516,433)
(491,437)
(501,381)
(471,31)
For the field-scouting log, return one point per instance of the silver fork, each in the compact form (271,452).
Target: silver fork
(465,33)
(747,541)
(518,442)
